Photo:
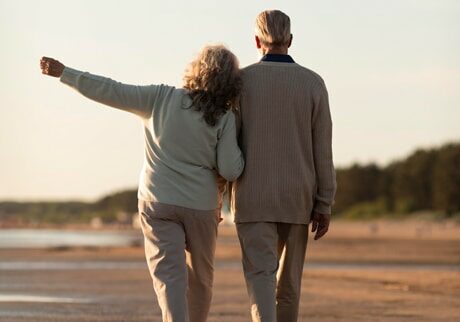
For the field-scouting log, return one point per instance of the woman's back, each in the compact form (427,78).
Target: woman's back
(183,154)
(190,134)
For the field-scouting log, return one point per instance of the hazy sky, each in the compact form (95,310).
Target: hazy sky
(392,69)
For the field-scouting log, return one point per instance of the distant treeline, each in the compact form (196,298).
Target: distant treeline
(428,179)
(108,209)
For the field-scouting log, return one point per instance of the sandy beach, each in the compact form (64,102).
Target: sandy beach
(362,271)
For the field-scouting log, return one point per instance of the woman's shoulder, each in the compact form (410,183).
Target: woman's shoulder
(227,119)
(228,116)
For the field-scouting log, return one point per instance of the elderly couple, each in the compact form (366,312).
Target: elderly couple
(271,119)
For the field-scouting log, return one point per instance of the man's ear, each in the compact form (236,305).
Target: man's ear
(258,45)
(290,41)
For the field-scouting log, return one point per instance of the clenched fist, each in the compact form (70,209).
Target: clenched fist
(51,67)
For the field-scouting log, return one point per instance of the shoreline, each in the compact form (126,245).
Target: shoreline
(360,271)
(346,242)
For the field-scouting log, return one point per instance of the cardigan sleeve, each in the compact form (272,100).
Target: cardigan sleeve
(136,99)
(322,153)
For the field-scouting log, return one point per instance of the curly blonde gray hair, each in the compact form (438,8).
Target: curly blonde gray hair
(214,82)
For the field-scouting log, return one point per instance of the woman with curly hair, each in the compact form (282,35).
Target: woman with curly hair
(190,145)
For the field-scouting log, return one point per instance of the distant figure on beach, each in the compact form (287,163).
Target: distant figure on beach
(190,149)
(289,177)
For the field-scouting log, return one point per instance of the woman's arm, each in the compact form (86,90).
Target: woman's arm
(135,99)
(230,161)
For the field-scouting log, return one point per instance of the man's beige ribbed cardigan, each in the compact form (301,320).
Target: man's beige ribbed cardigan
(285,136)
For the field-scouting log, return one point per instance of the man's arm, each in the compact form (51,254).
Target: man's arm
(324,166)
(132,98)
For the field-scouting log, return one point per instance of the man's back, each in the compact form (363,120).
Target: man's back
(285,136)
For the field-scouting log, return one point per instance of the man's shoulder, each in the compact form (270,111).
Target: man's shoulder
(311,74)
(301,71)
(250,67)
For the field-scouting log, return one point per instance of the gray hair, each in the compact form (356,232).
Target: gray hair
(273,27)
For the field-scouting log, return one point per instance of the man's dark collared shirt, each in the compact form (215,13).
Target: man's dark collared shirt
(279,58)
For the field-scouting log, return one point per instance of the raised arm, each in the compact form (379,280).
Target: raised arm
(230,161)
(132,98)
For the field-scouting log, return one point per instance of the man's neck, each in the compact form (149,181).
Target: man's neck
(275,51)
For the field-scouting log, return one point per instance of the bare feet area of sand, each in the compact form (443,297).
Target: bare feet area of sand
(361,271)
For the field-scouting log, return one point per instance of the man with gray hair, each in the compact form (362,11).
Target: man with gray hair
(289,178)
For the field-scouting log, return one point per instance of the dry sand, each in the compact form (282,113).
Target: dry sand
(373,271)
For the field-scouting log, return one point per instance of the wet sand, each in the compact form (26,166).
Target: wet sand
(380,271)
